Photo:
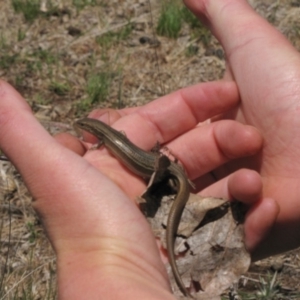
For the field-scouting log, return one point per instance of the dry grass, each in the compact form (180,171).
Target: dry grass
(26,257)
(57,56)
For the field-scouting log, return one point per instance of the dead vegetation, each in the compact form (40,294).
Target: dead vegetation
(67,57)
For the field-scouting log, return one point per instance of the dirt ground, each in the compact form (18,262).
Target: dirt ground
(55,56)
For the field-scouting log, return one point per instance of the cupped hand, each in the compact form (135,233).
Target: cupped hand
(266,69)
(104,245)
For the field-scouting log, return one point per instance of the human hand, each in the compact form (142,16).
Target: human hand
(267,70)
(173,120)
(104,245)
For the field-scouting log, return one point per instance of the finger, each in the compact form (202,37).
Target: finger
(246,186)
(207,147)
(108,115)
(71,142)
(230,22)
(164,119)
(243,185)
(259,222)
(259,67)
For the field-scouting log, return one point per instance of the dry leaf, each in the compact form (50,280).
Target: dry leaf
(209,243)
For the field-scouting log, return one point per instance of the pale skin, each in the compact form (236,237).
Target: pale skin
(104,246)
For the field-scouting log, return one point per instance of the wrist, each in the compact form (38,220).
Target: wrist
(111,273)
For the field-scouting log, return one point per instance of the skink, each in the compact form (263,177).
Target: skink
(143,164)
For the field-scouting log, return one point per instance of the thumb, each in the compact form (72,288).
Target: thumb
(75,200)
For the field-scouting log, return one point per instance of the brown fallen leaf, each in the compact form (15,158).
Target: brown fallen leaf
(209,244)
